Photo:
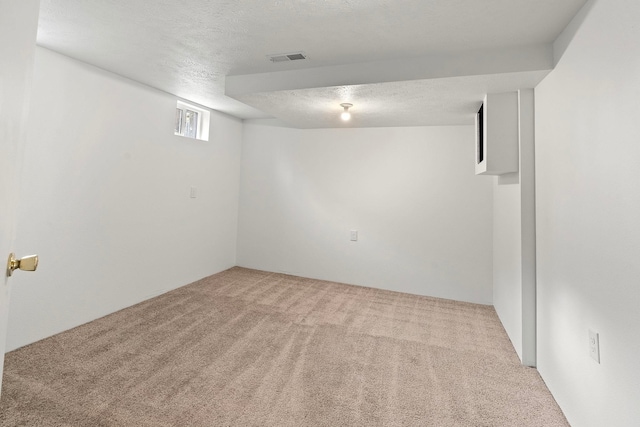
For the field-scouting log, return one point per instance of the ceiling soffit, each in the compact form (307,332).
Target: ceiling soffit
(444,89)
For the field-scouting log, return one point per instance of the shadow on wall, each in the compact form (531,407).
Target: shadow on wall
(509,178)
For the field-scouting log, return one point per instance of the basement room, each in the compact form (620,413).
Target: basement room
(320,213)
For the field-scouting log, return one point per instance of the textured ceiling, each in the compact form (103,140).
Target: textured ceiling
(411,103)
(187,48)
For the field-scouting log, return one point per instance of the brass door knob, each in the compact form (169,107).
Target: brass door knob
(27,263)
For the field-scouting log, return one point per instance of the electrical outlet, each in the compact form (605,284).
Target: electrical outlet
(594,345)
(194,192)
(354,235)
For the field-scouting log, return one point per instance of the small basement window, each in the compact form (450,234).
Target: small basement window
(192,121)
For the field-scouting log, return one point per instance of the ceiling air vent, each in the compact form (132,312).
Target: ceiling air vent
(285,57)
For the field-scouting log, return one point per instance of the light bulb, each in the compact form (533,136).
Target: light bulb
(346,115)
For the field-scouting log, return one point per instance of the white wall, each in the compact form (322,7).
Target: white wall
(106,198)
(507,256)
(514,281)
(588,212)
(423,217)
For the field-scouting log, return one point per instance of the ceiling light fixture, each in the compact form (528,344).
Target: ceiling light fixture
(346,115)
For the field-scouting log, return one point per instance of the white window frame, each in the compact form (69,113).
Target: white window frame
(202,125)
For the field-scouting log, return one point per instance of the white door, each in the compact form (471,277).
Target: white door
(18,27)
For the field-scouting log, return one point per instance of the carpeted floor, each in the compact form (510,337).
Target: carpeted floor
(250,348)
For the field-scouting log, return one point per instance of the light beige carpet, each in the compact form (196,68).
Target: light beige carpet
(250,348)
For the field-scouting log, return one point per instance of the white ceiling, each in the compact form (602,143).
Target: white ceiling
(410,62)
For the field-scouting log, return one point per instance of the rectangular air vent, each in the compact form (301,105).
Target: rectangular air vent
(285,57)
